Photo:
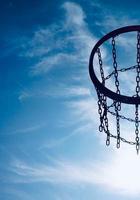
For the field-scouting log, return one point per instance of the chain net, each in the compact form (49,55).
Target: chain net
(114,109)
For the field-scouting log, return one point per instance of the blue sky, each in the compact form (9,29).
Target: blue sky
(50,147)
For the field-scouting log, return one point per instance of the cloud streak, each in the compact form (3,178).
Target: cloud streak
(118,173)
(69,41)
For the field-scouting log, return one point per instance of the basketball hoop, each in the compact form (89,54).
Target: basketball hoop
(116,98)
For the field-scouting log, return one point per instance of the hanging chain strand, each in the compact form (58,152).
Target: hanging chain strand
(102,103)
(116,104)
(137,129)
(101,65)
(137,93)
(100,110)
(138,65)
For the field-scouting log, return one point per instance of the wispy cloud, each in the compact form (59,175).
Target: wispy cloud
(47,63)
(85,109)
(67,41)
(118,174)
(61,91)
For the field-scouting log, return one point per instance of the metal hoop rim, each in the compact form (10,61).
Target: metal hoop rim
(107,92)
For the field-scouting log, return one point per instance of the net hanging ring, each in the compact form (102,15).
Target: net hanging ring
(104,93)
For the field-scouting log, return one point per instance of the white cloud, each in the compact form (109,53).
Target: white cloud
(61,91)
(120,172)
(44,41)
(78,91)
(75,15)
(85,109)
(68,91)
(67,41)
(47,63)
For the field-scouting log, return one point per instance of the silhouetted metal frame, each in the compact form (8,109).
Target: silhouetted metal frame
(107,92)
